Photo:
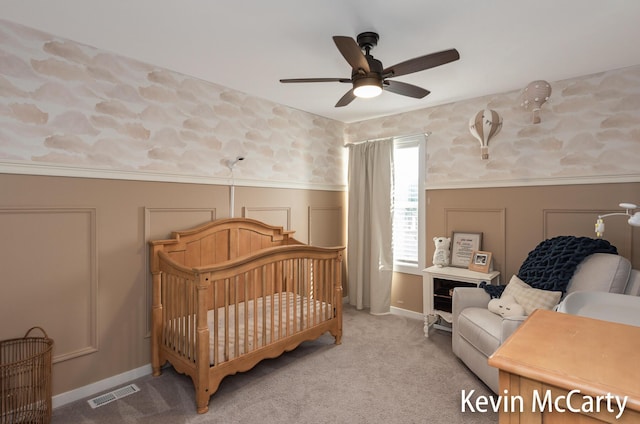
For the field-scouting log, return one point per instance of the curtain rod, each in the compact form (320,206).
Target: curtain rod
(353,143)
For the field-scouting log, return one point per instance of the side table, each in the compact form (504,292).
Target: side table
(437,290)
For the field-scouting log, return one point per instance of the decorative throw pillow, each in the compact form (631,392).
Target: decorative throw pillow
(530,298)
(506,306)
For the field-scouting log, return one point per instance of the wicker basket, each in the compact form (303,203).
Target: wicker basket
(25,379)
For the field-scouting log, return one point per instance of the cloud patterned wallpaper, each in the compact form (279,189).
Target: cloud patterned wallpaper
(590,129)
(66,104)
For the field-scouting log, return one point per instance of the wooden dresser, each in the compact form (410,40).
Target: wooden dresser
(554,358)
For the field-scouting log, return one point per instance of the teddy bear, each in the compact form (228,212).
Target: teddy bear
(506,306)
(441,255)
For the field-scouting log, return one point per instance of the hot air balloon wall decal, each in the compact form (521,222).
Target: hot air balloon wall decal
(484,125)
(534,96)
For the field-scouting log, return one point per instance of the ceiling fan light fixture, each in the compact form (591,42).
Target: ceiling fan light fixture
(369,77)
(367,87)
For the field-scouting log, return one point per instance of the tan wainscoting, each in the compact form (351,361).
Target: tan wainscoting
(106,308)
(326,226)
(531,215)
(52,274)
(275,215)
(582,222)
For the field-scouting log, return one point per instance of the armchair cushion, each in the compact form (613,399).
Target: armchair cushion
(529,298)
(633,286)
(601,272)
(468,297)
(481,328)
(509,325)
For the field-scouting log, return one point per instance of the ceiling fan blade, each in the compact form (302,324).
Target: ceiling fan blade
(421,63)
(405,89)
(315,80)
(351,52)
(346,99)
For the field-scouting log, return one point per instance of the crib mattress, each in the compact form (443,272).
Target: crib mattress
(269,319)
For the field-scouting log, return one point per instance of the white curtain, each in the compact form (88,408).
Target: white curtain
(370,220)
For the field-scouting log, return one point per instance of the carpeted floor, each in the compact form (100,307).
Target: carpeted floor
(385,371)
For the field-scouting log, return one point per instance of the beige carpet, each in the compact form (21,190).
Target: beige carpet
(385,371)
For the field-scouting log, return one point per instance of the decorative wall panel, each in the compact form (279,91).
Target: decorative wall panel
(50,281)
(581,223)
(278,216)
(326,226)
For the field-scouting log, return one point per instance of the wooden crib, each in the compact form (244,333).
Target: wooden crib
(235,291)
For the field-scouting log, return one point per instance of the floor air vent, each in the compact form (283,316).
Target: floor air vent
(114,395)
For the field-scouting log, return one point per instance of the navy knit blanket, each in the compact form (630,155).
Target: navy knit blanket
(553,262)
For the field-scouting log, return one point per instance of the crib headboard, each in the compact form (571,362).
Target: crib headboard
(219,241)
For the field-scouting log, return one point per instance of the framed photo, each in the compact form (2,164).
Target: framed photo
(481,261)
(462,247)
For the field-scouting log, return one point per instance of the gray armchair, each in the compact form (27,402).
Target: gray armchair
(477,333)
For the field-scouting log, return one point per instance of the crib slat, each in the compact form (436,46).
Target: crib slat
(298,300)
(329,277)
(226,319)
(287,330)
(246,314)
(264,312)
(172,311)
(300,293)
(269,294)
(191,324)
(277,275)
(328,304)
(168,311)
(254,284)
(216,321)
(319,290)
(181,318)
(325,290)
(307,292)
(177,344)
(236,316)
(187,319)
(304,296)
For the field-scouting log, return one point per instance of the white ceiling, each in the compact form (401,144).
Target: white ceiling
(248,45)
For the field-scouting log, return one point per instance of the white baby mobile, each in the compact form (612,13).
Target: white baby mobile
(484,125)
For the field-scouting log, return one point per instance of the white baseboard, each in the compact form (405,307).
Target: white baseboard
(99,386)
(406,313)
(396,311)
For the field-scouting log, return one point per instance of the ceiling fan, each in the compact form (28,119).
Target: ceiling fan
(369,77)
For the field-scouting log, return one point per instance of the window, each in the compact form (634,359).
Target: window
(408,193)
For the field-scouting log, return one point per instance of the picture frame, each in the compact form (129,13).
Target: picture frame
(463,245)
(481,262)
